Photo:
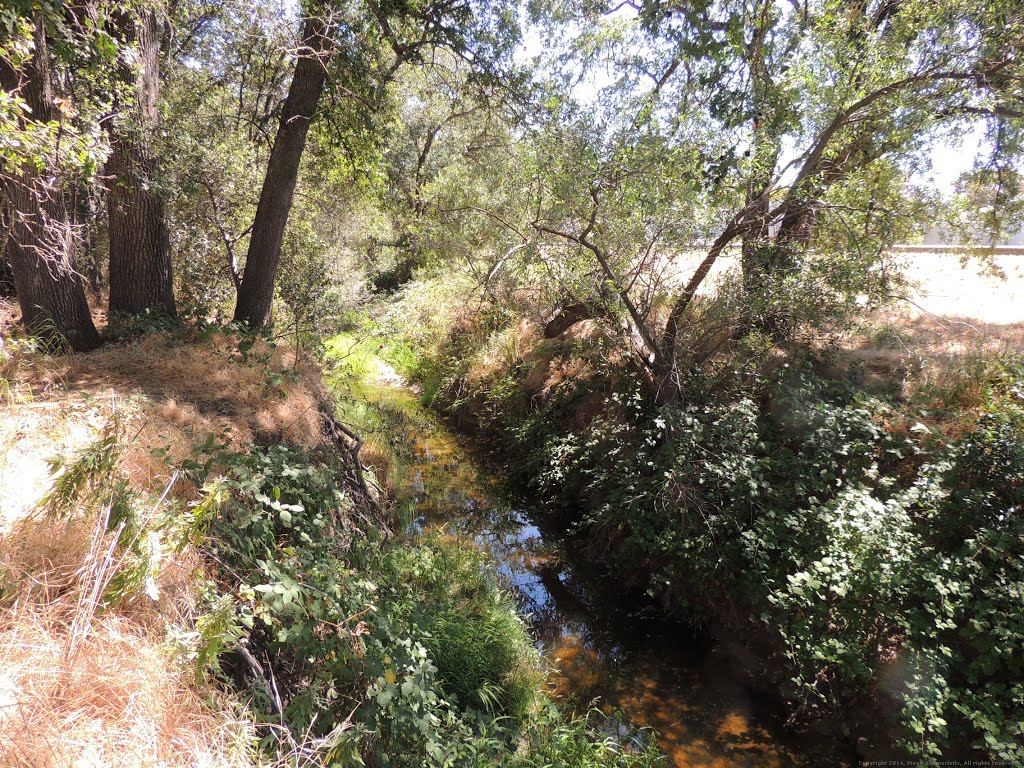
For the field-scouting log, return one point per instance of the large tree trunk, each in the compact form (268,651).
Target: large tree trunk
(86,207)
(41,244)
(140,247)
(256,292)
(40,252)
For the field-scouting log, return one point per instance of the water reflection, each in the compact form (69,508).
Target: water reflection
(650,673)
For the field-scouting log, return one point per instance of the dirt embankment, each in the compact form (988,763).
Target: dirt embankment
(83,683)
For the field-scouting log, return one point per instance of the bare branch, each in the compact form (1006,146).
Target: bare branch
(229,242)
(653,353)
(620,6)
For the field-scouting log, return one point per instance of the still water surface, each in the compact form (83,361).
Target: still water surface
(649,672)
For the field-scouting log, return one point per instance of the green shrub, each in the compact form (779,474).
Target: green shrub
(786,498)
(481,648)
(967,627)
(418,632)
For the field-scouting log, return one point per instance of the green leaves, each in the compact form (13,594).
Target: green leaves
(105,46)
(788,494)
(417,633)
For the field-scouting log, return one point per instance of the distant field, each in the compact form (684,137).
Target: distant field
(943,286)
(948,289)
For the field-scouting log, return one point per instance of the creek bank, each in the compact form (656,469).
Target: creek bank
(864,545)
(554,391)
(746,654)
(604,641)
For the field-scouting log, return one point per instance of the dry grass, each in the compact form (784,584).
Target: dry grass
(938,352)
(501,351)
(179,393)
(939,344)
(118,702)
(83,684)
(925,353)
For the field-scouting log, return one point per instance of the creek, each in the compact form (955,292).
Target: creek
(603,646)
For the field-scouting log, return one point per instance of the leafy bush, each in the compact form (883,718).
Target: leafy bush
(481,648)
(416,631)
(932,575)
(873,562)
(966,627)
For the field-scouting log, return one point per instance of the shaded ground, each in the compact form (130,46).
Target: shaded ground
(171,394)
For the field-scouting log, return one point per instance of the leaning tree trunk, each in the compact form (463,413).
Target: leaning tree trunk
(140,246)
(40,244)
(256,291)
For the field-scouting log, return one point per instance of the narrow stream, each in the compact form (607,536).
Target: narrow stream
(649,672)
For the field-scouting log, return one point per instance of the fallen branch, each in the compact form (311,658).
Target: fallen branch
(347,440)
(257,672)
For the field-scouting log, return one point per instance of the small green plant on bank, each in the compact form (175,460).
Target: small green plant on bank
(586,741)
(406,651)
(315,614)
(480,647)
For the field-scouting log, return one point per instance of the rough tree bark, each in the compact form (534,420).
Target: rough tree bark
(140,247)
(40,243)
(256,291)
(50,292)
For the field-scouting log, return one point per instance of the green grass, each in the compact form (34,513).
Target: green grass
(482,650)
(353,355)
(587,741)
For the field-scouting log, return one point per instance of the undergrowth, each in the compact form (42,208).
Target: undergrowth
(396,651)
(255,610)
(875,556)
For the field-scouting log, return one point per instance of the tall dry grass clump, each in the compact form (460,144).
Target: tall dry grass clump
(97,585)
(88,683)
(182,392)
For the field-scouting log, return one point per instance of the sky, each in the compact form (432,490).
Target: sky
(949,160)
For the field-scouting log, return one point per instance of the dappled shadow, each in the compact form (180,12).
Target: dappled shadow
(896,354)
(703,720)
(191,390)
(933,334)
